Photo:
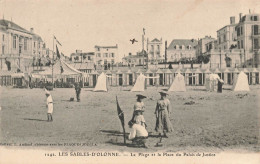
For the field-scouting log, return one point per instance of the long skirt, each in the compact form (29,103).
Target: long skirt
(163,123)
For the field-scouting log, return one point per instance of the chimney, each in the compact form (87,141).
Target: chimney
(233,20)
(240,16)
(32,30)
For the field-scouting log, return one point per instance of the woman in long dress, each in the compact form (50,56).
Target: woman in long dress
(163,111)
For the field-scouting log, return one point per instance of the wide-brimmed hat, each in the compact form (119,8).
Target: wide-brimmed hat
(141,96)
(163,93)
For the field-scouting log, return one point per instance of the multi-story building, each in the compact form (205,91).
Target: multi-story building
(106,55)
(18,46)
(212,45)
(155,51)
(135,60)
(248,37)
(181,48)
(82,57)
(202,48)
(227,35)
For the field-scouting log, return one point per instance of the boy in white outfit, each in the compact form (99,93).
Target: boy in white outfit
(49,105)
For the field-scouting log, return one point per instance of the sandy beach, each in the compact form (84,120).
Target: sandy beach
(202,121)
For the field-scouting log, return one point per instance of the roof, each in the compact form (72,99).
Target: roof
(106,46)
(155,40)
(13,26)
(185,42)
(84,53)
(229,25)
(35,36)
(82,66)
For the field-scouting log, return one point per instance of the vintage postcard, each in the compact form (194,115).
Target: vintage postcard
(148,81)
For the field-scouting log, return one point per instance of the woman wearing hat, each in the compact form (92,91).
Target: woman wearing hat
(138,111)
(163,111)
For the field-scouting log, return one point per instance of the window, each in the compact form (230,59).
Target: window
(3,37)
(14,42)
(112,55)
(225,39)
(238,31)
(158,47)
(241,28)
(89,58)
(25,43)
(34,44)
(152,47)
(238,44)
(219,40)
(255,29)
(3,49)
(242,44)
(256,44)
(98,49)
(255,18)
(39,45)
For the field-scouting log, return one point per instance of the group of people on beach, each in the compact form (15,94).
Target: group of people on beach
(138,133)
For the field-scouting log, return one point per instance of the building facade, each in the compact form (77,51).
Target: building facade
(181,48)
(227,38)
(202,48)
(18,47)
(248,38)
(82,57)
(155,51)
(135,60)
(106,55)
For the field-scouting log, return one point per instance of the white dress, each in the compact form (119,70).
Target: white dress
(50,104)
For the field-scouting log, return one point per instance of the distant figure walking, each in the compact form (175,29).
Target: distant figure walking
(220,84)
(49,105)
(78,90)
(163,111)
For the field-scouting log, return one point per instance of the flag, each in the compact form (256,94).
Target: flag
(121,117)
(57,40)
(57,52)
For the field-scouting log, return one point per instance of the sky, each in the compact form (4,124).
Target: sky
(79,24)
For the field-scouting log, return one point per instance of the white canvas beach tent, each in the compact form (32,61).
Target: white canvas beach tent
(178,84)
(60,68)
(139,84)
(241,82)
(101,83)
(211,82)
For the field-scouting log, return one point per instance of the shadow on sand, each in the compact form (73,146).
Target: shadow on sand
(118,133)
(113,132)
(31,119)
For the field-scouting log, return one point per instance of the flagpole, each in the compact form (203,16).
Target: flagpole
(52,61)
